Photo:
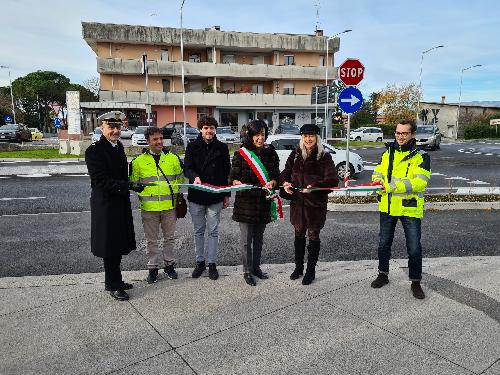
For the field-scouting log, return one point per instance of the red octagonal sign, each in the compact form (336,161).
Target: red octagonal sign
(351,72)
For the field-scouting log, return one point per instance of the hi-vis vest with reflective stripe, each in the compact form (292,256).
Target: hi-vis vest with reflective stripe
(144,169)
(410,174)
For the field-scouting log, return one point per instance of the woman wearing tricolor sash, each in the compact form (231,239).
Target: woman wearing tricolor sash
(256,164)
(309,166)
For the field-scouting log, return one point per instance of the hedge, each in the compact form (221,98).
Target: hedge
(476,131)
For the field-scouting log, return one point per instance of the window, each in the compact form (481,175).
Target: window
(195,86)
(228,86)
(258,60)
(166,85)
(204,111)
(322,60)
(194,57)
(258,88)
(289,60)
(165,55)
(288,88)
(228,59)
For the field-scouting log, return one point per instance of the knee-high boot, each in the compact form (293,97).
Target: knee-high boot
(300,250)
(312,259)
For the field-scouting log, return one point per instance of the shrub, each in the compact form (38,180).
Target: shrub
(476,131)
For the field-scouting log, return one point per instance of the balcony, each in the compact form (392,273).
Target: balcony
(206,70)
(208,99)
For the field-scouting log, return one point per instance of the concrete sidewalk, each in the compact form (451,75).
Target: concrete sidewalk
(67,324)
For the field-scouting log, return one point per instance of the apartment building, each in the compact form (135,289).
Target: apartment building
(233,76)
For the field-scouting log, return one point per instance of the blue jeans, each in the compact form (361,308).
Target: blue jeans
(206,217)
(412,228)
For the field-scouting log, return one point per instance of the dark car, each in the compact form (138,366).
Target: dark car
(191,135)
(169,129)
(288,129)
(15,133)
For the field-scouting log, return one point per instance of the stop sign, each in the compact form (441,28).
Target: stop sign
(351,72)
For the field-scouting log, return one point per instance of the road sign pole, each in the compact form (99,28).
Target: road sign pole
(347,168)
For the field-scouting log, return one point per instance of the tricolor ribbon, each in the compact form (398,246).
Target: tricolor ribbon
(260,171)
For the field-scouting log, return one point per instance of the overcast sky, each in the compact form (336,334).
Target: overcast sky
(388,36)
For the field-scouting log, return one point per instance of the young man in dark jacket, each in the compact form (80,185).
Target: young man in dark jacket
(207,161)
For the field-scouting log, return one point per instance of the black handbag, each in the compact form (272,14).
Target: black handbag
(178,201)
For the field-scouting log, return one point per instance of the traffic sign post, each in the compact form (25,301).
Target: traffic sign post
(351,72)
(7,119)
(57,122)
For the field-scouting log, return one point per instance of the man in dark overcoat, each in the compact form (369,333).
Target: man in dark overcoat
(112,227)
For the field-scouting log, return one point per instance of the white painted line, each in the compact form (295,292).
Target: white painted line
(63,161)
(9,177)
(75,175)
(36,175)
(477,153)
(488,154)
(20,199)
(15,161)
(477,182)
(457,178)
(478,190)
(437,174)
(467,152)
(370,167)
(461,150)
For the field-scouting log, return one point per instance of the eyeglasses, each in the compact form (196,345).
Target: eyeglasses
(402,134)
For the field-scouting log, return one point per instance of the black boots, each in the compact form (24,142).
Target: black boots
(153,275)
(198,270)
(417,290)
(300,249)
(213,274)
(312,259)
(380,281)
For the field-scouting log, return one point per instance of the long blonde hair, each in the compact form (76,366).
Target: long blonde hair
(303,150)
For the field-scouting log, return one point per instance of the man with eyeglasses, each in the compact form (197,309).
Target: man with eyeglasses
(404,171)
(112,227)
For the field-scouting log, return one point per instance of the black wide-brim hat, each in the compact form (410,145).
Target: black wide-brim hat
(309,129)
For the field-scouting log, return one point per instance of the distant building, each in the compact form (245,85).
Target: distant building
(232,76)
(444,115)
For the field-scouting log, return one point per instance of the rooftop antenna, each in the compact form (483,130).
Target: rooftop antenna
(317,5)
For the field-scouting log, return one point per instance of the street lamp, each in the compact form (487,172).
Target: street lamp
(326,78)
(182,83)
(460,96)
(11,94)
(420,77)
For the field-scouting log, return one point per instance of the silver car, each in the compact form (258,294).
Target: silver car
(191,135)
(428,136)
(226,135)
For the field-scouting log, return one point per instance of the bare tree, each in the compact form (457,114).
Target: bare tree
(92,84)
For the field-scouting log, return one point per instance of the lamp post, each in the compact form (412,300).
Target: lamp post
(11,94)
(420,77)
(326,78)
(460,97)
(182,82)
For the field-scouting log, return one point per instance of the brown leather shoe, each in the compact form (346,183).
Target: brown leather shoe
(417,290)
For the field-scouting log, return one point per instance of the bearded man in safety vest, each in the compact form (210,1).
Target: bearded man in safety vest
(163,171)
(404,172)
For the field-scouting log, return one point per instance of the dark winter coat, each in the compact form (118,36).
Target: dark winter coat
(112,227)
(251,206)
(210,162)
(308,210)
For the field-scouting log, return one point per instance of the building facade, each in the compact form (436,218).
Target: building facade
(233,76)
(444,115)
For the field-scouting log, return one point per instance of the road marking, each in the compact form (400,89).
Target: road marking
(26,198)
(437,174)
(8,177)
(76,175)
(488,154)
(457,178)
(15,161)
(63,161)
(48,213)
(36,175)
(370,167)
(477,182)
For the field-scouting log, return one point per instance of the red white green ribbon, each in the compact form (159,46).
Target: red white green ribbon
(260,171)
(211,188)
(371,187)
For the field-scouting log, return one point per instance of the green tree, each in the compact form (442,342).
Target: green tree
(398,102)
(366,115)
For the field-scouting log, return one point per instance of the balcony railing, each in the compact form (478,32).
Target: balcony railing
(206,70)
(208,99)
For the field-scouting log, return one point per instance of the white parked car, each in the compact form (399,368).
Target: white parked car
(365,133)
(227,135)
(138,138)
(127,133)
(96,134)
(285,143)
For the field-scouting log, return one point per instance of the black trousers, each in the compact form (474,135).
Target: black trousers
(112,272)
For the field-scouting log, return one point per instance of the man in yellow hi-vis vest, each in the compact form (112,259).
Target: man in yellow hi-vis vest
(404,171)
(164,170)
